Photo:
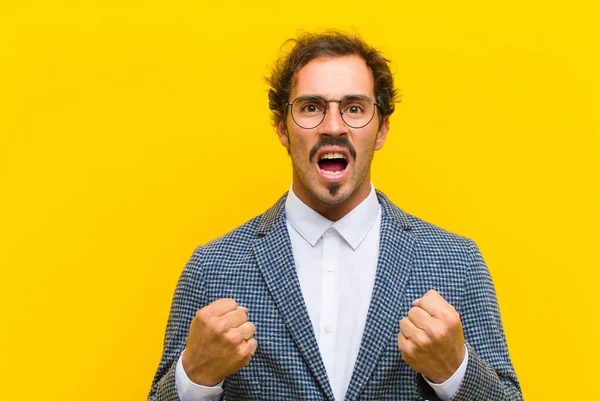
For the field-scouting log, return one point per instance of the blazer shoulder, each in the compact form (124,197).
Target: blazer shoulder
(241,239)
(426,235)
(433,243)
(427,231)
(421,230)
(235,239)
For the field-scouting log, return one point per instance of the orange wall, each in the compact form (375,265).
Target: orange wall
(132,131)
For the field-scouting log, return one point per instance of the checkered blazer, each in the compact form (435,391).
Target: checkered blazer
(254,265)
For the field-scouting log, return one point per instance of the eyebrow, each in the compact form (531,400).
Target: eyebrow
(326,99)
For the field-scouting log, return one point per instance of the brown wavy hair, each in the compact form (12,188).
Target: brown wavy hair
(309,46)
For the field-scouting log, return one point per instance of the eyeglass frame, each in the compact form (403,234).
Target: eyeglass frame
(327,101)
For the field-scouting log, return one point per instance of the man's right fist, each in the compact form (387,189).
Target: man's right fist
(220,342)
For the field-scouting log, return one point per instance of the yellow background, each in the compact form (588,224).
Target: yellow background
(132,131)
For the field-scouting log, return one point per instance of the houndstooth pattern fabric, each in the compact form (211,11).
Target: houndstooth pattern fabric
(254,265)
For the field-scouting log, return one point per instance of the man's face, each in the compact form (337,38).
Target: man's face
(328,184)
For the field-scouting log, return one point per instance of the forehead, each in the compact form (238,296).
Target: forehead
(334,78)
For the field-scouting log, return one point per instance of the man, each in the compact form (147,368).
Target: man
(334,292)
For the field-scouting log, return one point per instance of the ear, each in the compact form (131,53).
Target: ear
(282,133)
(382,134)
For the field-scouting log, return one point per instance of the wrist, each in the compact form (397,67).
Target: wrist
(438,379)
(442,377)
(197,375)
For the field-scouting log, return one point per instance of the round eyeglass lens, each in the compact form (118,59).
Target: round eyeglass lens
(308,112)
(357,110)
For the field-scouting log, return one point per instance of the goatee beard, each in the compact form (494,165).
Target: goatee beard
(333,188)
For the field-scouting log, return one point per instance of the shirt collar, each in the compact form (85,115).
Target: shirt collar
(353,227)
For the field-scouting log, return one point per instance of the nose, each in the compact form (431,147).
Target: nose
(332,123)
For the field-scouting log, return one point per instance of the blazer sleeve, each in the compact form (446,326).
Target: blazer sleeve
(189,297)
(490,374)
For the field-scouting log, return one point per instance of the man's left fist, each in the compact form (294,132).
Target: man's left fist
(431,338)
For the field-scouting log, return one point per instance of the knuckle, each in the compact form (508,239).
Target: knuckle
(241,352)
(221,326)
(443,314)
(229,302)
(233,337)
(456,317)
(249,331)
(407,355)
(423,341)
(203,314)
(437,333)
(242,316)
(451,318)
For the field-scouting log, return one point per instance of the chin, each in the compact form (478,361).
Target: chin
(333,194)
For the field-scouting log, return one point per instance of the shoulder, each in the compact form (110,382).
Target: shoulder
(419,229)
(240,240)
(430,234)
(246,233)
(440,259)
(426,236)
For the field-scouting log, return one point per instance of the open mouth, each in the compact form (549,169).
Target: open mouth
(332,163)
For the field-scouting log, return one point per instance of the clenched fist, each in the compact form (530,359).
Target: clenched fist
(431,338)
(220,342)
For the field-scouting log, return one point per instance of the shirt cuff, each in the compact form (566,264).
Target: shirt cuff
(187,390)
(446,390)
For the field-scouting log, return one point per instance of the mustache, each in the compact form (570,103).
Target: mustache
(341,141)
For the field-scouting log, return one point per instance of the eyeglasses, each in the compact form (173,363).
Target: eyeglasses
(356,110)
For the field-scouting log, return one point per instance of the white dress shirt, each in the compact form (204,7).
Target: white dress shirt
(336,264)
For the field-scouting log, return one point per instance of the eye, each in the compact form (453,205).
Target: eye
(310,108)
(354,109)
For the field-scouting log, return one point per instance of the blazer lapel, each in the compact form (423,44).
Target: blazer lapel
(396,246)
(273,251)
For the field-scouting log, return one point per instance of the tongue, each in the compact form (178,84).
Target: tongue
(333,165)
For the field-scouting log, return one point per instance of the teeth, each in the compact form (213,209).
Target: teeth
(331,172)
(332,155)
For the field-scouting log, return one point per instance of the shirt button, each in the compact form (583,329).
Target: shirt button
(331,230)
(327,328)
(329,267)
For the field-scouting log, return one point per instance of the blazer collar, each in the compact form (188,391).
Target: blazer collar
(353,227)
(396,215)
(273,252)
